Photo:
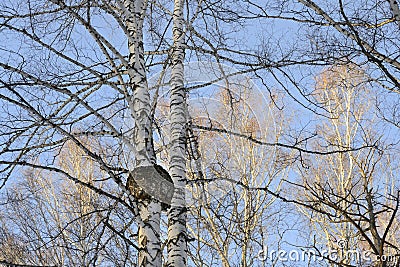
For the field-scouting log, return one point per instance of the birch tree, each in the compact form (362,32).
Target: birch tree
(55,222)
(63,99)
(177,233)
(350,199)
(70,69)
(229,219)
(149,209)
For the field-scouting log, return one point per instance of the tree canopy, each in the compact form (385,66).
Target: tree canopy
(260,126)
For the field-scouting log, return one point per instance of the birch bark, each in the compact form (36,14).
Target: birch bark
(177,233)
(139,99)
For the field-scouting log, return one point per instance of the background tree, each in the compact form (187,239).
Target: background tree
(56,222)
(351,200)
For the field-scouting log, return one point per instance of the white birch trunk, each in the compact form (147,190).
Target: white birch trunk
(177,233)
(149,234)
